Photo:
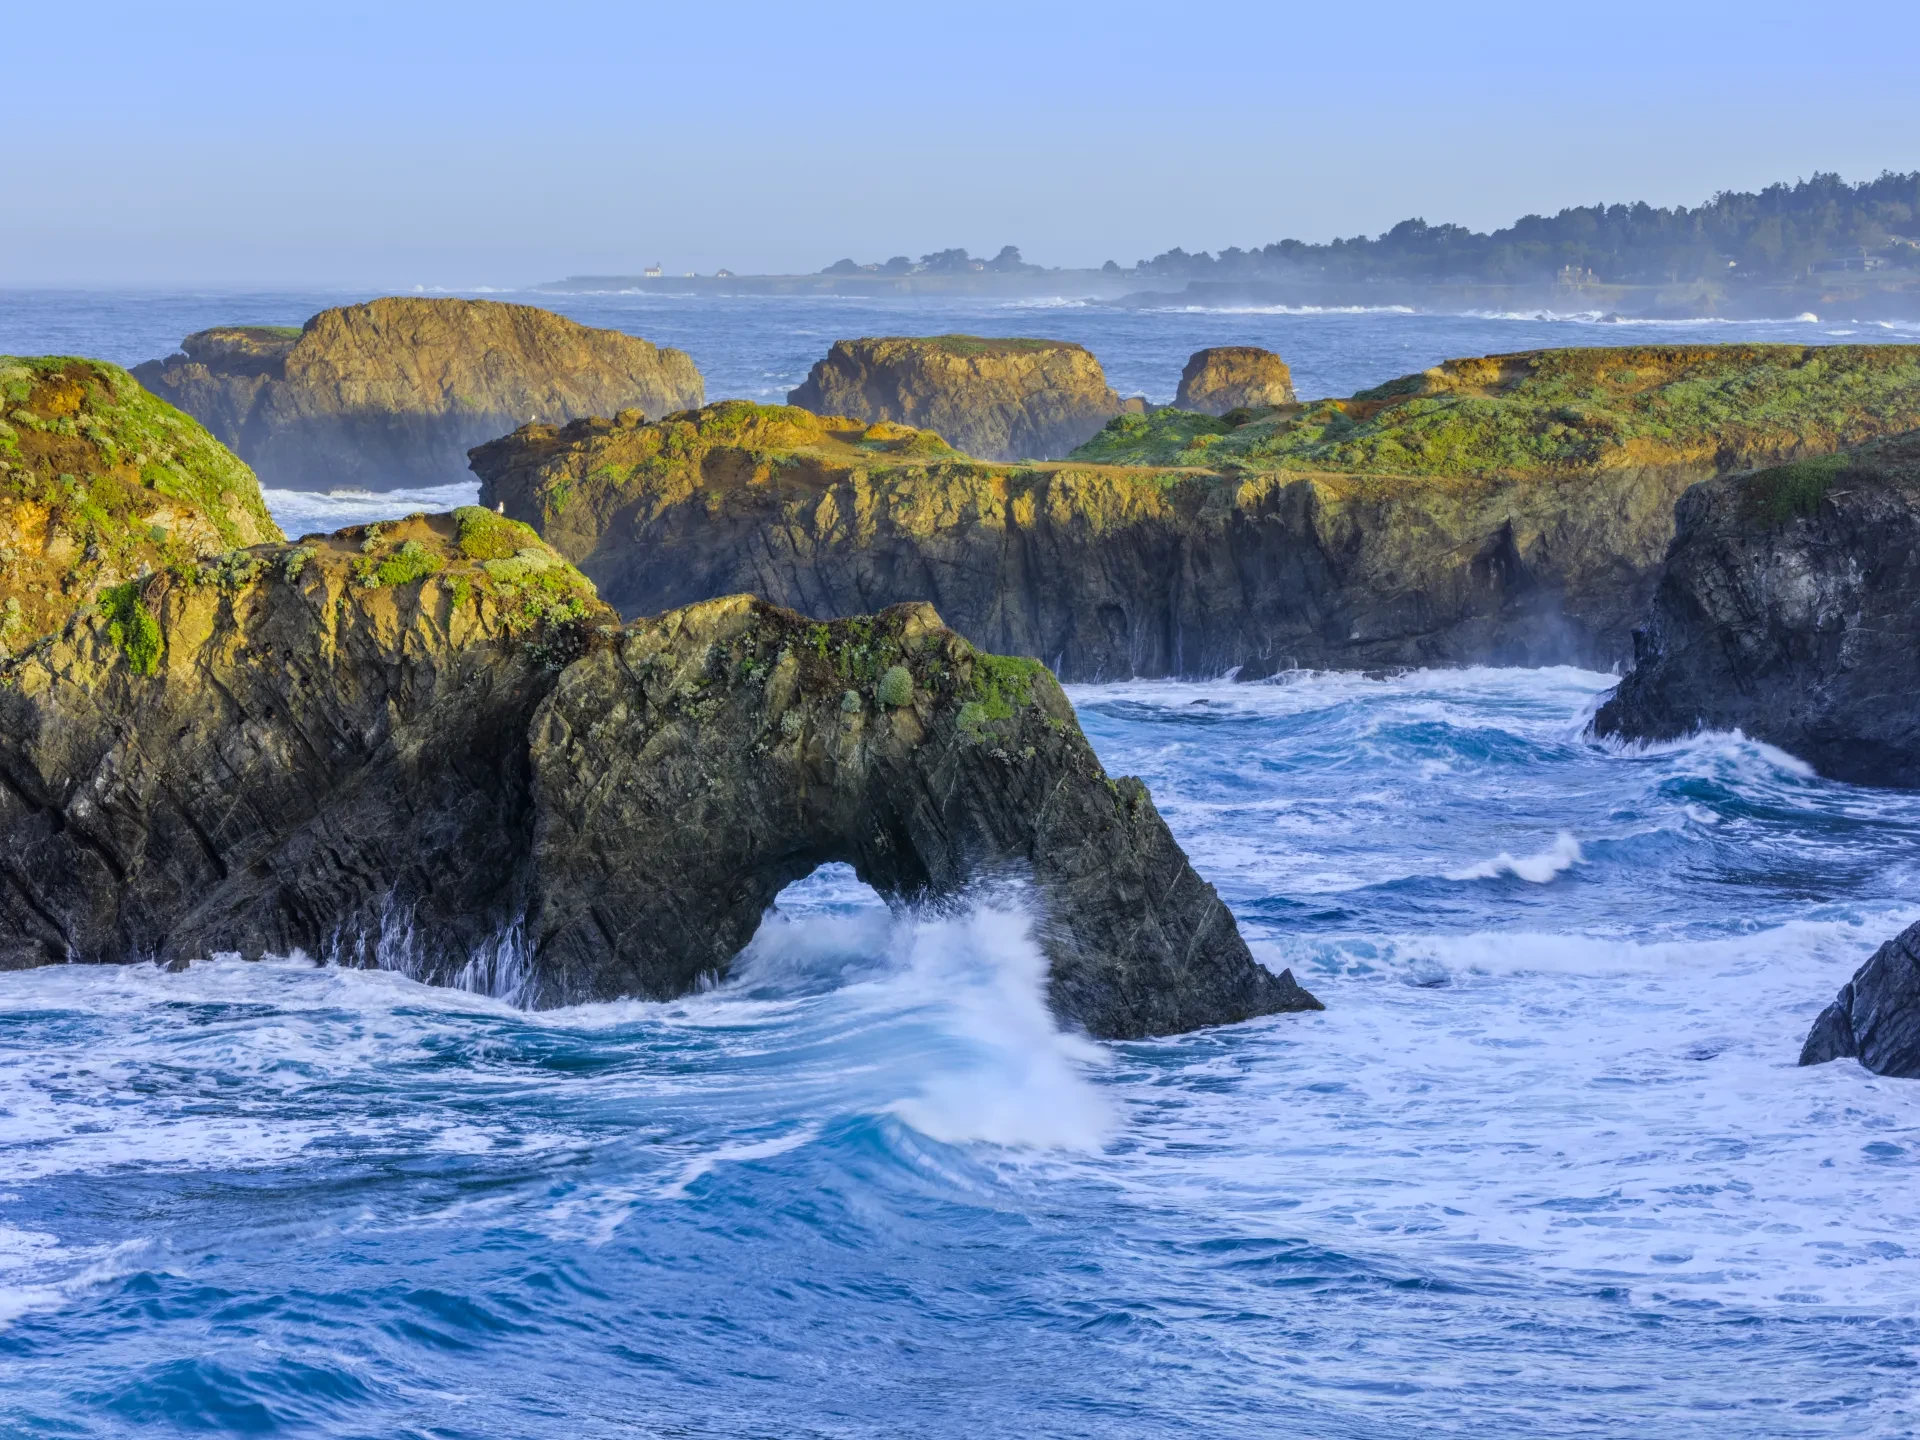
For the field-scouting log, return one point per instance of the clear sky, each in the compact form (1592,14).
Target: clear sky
(393,144)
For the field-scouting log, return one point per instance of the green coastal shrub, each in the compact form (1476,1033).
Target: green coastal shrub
(131,626)
(895,687)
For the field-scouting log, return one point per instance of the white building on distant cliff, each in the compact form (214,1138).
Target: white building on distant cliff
(652,272)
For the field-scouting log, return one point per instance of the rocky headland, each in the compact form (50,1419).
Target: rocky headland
(428,745)
(1233,377)
(1514,509)
(391,394)
(1790,609)
(997,399)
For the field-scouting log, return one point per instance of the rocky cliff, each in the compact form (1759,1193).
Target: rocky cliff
(1876,1017)
(998,399)
(1511,510)
(100,482)
(1234,377)
(1790,609)
(392,393)
(426,745)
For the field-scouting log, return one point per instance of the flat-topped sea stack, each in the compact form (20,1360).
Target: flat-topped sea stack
(997,399)
(426,745)
(99,483)
(1234,377)
(1790,609)
(1509,510)
(391,394)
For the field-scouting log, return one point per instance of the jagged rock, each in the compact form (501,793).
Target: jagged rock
(1514,510)
(426,745)
(998,399)
(100,482)
(1234,377)
(1876,1017)
(1790,609)
(391,394)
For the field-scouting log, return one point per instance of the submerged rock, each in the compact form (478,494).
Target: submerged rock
(427,745)
(1514,510)
(392,393)
(1790,609)
(1234,377)
(998,399)
(99,483)
(1876,1017)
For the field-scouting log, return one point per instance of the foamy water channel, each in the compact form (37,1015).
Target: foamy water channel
(1545,1166)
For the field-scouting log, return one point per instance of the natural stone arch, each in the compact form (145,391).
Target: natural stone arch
(688,773)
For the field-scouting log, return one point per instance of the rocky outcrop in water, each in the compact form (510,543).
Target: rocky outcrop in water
(1234,377)
(1876,1017)
(427,745)
(1790,609)
(1511,510)
(997,399)
(101,482)
(392,393)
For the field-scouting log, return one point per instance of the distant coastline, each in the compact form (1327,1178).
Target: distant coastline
(1891,295)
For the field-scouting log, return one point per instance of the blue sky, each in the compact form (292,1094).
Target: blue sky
(490,144)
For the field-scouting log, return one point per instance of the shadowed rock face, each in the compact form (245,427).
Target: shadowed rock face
(425,745)
(392,393)
(998,399)
(1876,1017)
(1790,609)
(1233,377)
(1514,510)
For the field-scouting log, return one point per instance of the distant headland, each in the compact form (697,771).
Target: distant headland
(1817,245)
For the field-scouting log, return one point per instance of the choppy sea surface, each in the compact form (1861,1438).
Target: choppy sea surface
(1544,1167)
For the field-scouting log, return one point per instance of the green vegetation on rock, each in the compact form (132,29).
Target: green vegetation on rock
(895,688)
(1553,412)
(1773,497)
(131,626)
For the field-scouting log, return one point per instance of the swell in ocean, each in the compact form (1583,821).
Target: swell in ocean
(1545,1165)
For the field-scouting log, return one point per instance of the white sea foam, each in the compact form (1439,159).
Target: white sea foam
(1538,867)
(308,512)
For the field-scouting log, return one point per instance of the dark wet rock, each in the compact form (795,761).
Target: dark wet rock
(1876,1017)
(427,745)
(997,399)
(1790,610)
(1234,377)
(391,394)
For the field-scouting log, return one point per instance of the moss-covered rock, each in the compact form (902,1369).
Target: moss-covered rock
(393,392)
(1790,610)
(998,399)
(427,745)
(1511,510)
(100,482)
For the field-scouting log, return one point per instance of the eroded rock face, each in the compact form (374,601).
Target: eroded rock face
(1790,609)
(427,745)
(1234,377)
(997,399)
(1511,511)
(1876,1017)
(392,393)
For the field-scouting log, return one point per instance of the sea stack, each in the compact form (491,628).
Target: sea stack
(391,394)
(1876,1017)
(995,399)
(1234,377)
(1790,610)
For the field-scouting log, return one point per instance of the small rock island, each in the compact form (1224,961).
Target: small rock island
(391,394)
(997,399)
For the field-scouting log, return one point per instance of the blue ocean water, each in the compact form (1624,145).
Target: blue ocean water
(1544,1167)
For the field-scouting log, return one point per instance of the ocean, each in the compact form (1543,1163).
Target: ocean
(1544,1167)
